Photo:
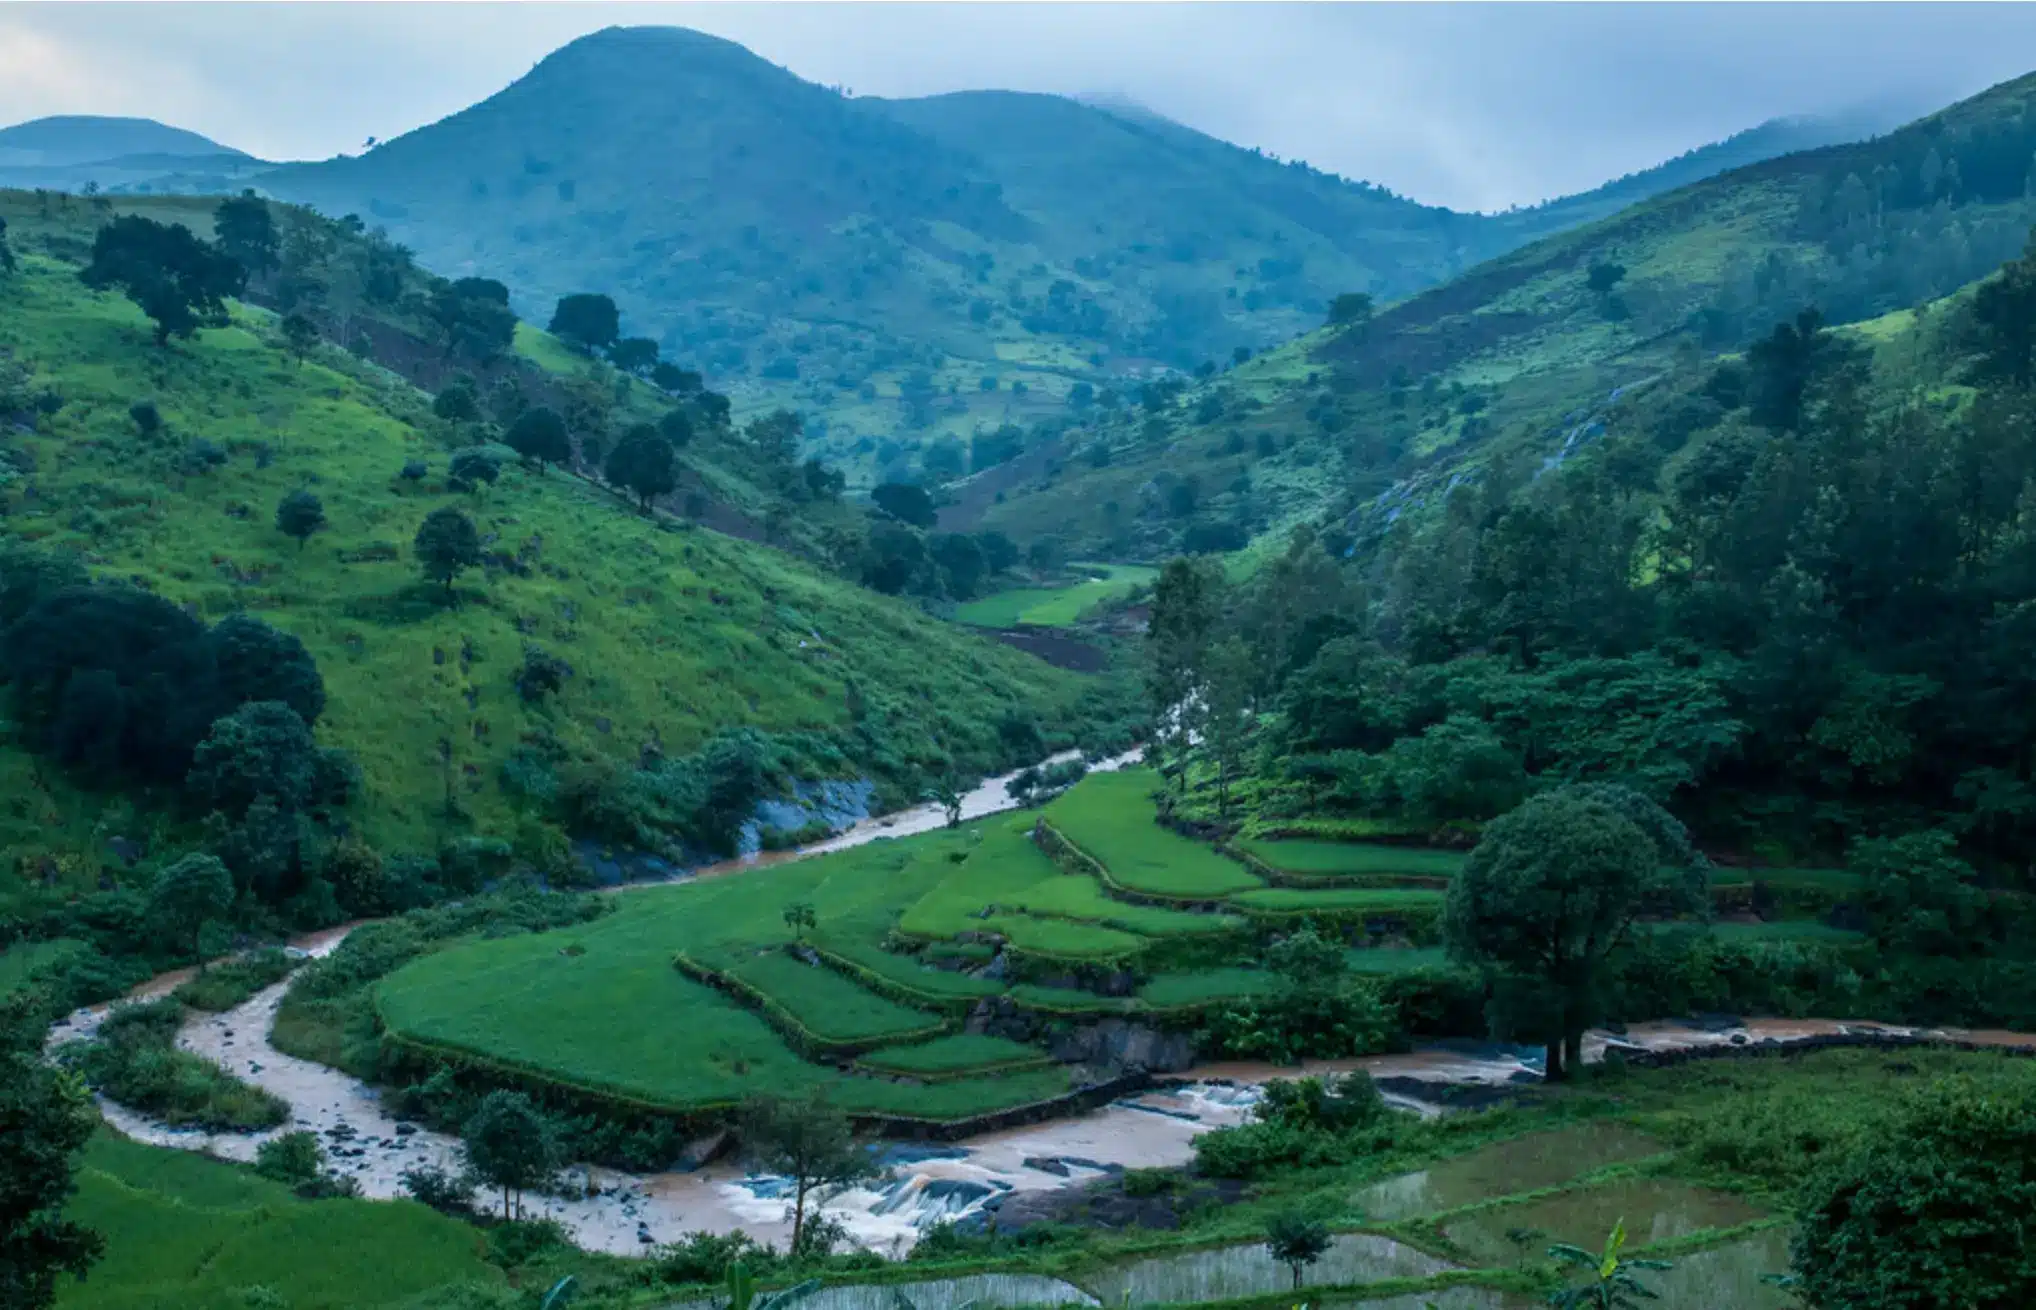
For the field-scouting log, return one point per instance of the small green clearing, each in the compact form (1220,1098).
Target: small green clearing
(1110,817)
(1055,607)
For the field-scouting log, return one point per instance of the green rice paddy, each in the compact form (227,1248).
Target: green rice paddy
(1329,859)
(1110,817)
(744,1013)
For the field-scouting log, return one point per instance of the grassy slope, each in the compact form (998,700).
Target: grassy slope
(671,633)
(1519,352)
(185,1231)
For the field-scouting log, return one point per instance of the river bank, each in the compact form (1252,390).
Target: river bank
(629,1213)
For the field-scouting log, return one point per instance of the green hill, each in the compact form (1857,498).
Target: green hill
(1538,349)
(667,631)
(902,269)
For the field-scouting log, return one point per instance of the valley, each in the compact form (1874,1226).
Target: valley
(683,688)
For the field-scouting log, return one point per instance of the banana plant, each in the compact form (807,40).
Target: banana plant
(742,1293)
(1613,1285)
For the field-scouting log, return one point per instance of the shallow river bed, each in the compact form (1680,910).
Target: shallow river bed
(628,1214)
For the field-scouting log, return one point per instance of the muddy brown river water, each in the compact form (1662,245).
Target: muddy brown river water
(630,1213)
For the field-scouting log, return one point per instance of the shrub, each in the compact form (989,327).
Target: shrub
(444,1192)
(294,1159)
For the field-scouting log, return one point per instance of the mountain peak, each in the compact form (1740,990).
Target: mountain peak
(66,139)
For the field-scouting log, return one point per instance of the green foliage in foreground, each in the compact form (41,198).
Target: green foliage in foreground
(1932,1211)
(187,1233)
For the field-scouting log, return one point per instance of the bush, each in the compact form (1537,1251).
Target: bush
(443,1192)
(230,984)
(135,1062)
(1307,1123)
(703,1257)
(294,1159)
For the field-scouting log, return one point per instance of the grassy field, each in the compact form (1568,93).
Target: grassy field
(1324,859)
(828,1005)
(670,633)
(1348,900)
(960,1053)
(187,1232)
(1110,817)
(1055,607)
(600,1007)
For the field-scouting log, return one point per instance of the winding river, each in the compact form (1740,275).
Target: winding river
(630,1213)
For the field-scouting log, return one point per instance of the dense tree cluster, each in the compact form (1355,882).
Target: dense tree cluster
(179,281)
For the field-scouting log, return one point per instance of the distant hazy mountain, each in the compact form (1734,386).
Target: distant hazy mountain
(67,153)
(896,263)
(88,139)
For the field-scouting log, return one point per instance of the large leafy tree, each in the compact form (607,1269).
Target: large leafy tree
(587,320)
(511,1145)
(1935,1210)
(1552,889)
(472,319)
(1186,604)
(246,232)
(539,435)
(447,544)
(299,515)
(643,462)
(187,896)
(808,1141)
(46,1117)
(179,281)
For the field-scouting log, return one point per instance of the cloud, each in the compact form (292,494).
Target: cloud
(1469,105)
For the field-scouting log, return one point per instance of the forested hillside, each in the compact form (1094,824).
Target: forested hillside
(1538,349)
(493,647)
(907,273)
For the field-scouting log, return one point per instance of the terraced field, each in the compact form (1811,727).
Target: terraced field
(1088,909)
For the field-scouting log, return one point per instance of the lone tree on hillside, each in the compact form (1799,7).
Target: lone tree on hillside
(300,334)
(907,502)
(808,1141)
(799,917)
(1927,1212)
(642,462)
(587,320)
(472,469)
(676,428)
(457,402)
(1296,1241)
(300,515)
(512,1145)
(637,355)
(446,544)
(539,435)
(177,280)
(246,232)
(1553,888)
(1352,307)
(6,251)
(193,892)
(471,318)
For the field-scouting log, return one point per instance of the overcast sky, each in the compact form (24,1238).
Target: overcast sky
(1475,106)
